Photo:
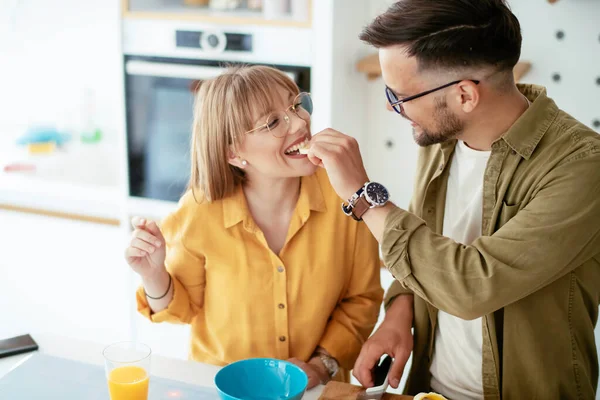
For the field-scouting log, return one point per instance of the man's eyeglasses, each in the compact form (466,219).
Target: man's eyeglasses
(397,103)
(278,123)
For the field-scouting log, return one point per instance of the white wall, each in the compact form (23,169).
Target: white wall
(63,277)
(51,52)
(394,167)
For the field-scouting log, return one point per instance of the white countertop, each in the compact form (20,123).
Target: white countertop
(77,178)
(184,371)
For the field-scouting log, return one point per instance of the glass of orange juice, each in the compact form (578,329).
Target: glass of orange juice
(127,370)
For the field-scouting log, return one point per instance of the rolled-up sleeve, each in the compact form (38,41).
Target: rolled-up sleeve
(554,233)
(396,289)
(356,315)
(187,271)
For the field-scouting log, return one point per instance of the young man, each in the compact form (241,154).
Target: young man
(501,243)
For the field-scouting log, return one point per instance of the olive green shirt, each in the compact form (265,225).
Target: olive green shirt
(534,274)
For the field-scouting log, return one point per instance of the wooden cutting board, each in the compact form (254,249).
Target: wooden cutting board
(345,391)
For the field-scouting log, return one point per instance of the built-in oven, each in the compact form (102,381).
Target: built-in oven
(163,64)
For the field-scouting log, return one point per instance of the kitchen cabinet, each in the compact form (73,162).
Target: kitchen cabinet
(63,276)
(294,13)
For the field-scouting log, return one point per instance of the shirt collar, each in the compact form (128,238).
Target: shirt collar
(235,207)
(526,133)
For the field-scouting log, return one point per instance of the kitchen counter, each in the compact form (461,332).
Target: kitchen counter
(184,371)
(77,180)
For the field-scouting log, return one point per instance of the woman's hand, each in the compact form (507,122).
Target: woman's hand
(316,371)
(146,252)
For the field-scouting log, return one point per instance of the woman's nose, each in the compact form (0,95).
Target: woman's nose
(296,123)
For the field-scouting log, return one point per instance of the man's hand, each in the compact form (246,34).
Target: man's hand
(340,156)
(394,337)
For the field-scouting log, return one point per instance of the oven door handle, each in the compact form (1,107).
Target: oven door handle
(165,70)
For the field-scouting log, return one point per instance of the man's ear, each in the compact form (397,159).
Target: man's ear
(468,95)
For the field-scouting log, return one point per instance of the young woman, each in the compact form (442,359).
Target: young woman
(258,258)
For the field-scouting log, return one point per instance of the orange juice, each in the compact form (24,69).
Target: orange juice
(129,382)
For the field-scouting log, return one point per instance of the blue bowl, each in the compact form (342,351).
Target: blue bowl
(261,379)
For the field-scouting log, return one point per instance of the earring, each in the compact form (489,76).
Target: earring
(244,163)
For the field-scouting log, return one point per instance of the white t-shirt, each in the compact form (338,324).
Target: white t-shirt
(456,365)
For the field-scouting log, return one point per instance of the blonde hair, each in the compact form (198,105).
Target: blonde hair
(224,111)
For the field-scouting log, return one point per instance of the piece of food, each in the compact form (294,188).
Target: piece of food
(303,148)
(429,396)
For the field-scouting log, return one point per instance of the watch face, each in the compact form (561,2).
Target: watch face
(377,194)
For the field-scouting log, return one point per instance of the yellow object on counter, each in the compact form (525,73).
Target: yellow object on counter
(39,148)
(128,382)
(429,396)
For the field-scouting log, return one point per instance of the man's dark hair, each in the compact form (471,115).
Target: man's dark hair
(450,34)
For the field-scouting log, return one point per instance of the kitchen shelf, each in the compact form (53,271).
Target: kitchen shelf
(370,66)
(51,198)
(521,69)
(176,10)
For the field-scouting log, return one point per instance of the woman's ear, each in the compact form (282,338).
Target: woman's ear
(236,161)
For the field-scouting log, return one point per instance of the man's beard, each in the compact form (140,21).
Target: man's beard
(448,126)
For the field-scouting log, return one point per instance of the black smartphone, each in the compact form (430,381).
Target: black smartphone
(17,345)
(380,372)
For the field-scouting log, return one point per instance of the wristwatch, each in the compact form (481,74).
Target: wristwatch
(330,364)
(371,195)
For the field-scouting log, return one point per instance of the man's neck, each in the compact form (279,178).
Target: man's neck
(495,118)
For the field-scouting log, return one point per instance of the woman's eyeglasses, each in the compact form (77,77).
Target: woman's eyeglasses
(278,123)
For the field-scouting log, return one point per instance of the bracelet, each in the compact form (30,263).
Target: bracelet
(158,298)
(330,363)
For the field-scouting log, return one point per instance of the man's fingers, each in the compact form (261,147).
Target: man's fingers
(326,152)
(364,371)
(328,132)
(400,358)
(315,160)
(340,140)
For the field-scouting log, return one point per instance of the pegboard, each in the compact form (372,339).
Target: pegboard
(562,41)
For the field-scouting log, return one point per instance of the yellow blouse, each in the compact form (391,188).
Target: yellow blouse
(244,301)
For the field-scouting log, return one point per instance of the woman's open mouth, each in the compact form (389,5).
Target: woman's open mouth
(295,149)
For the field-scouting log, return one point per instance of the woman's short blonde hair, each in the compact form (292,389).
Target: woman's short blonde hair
(224,111)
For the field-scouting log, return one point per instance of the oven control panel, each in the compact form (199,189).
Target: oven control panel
(214,41)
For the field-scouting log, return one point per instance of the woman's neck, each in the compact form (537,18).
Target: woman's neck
(271,203)
(268,196)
